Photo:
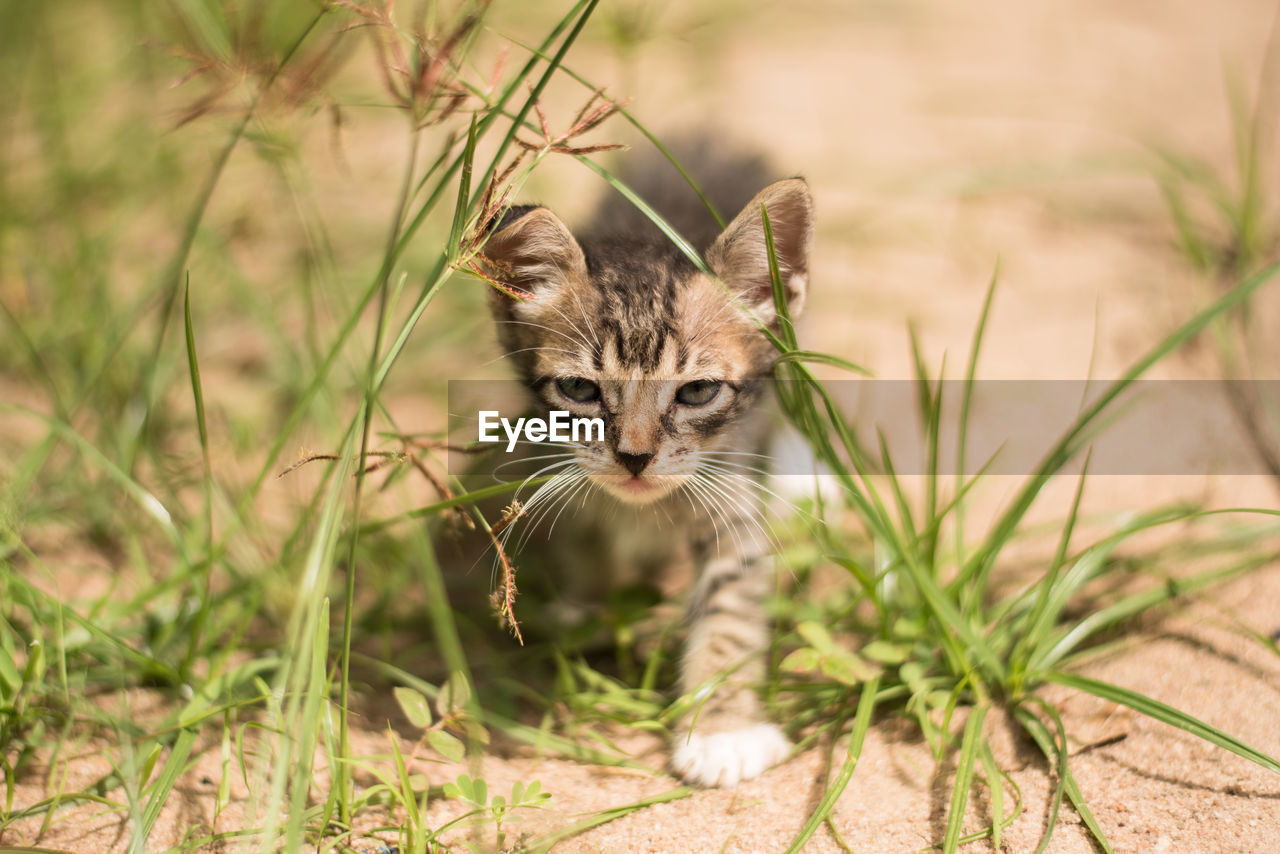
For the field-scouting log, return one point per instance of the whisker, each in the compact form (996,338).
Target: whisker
(498,470)
(738,493)
(720,466)
(535,507)
(586,316)
(582,339)
(716,452)
(690,489)
(712,324)
(561,496)
(511,353)
(714,498)
(566,336)
(584,482)
(736,466)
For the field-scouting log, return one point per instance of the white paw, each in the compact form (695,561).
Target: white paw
(728,758)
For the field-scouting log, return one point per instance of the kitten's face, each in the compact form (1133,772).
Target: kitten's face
(632,333)
(672,391)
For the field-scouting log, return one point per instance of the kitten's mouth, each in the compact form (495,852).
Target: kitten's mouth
(639,488)
(639,485)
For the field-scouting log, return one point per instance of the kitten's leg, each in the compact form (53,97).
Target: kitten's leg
(726,738)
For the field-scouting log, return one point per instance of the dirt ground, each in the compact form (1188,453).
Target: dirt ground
(939,139)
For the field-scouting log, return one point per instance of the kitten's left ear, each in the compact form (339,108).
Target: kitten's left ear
(533,251)
(740,256)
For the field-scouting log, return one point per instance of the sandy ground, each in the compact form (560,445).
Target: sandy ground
(940,138)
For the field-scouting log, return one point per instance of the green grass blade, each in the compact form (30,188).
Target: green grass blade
(197,392)
(1056,752)
(197,389)
(342,779)
(929,403)
(966,404)
(686,248)
(579,14)
(513,729)
(648,134)
(1038,621)
(995,785)
(306,645)
(546,843)
(1163,713)
(970,745)
(955,624)
(461,207)
(906,520)
(163,786)
(406,233)
(861,723)
(822,359)
(170,279)
(1064,642)
(1057,757)
(1069,444)
(786,328)
(143,497)
(1194,246)
(462,500)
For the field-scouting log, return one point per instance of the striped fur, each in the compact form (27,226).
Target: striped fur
(627,329)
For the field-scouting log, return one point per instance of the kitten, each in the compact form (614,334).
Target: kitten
(627,329)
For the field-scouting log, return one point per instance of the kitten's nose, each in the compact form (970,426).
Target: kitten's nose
(633,463)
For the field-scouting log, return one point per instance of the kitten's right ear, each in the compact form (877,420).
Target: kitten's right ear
(740,256)
(531,251)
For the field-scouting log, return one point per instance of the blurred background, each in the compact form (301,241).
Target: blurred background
(213,213)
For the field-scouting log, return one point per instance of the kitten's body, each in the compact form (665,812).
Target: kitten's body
(626,328)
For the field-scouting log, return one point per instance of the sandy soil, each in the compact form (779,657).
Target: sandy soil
(940,138)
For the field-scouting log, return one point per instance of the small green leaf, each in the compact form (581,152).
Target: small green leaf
(938,699)
(33,673)
(415,706)
(446,745)
(885,652)
(817,636)
(10,681)
(454,695)
(847,669)
(466,786)
(801,661)
(149,764)
(912,673)
(474,731)
(910,629)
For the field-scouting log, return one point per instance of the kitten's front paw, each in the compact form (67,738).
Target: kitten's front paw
(728,758)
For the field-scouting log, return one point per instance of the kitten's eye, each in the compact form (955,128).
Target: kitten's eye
(578,390)
(698,392)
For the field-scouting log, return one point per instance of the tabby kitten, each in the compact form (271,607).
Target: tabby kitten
(625,328)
